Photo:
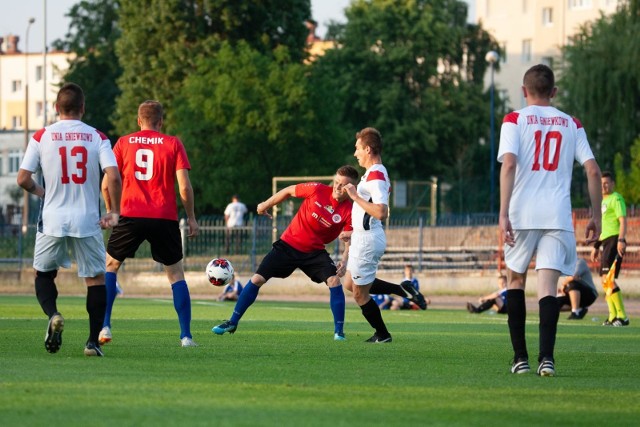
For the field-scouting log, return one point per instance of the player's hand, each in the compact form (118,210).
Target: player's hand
(592,232)
(341,268)
(194,228)
(109,220)
(345,236)
(595,253)
(507,231)
(263,209)
(351,190)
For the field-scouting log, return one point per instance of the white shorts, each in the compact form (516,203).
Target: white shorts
(554,250)
(51,253)
(365,251)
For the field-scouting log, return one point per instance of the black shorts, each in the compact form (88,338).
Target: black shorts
(283,259)
(609,253)
(587,297)
(163,236)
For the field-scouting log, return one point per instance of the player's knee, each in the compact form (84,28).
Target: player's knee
(47,274)
(333,281)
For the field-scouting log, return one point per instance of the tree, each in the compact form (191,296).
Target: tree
(249,116)
(164,40)
(92,35)
(600,82)
(414,69)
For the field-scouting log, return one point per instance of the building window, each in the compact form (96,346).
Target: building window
(579,4)
(524,6)
(548,61)
(16,122)
(39,73)
(547,16)
(39,109)
(16,85)
(503,54)
(14,161)
(526,50)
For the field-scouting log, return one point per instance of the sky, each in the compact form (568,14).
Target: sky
(15,19)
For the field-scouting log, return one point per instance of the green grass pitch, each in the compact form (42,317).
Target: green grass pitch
(282,368)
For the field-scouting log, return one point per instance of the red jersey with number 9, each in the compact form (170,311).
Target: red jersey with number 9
(148,161)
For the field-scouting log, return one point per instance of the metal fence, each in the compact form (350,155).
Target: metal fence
(465,243)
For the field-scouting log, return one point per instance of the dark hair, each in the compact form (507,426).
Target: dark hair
(151,113)
(371,137)
(539,81)
(70,99)
(348,171)
(607,174)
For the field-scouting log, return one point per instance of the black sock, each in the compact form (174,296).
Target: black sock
(46,291)
(549,313)
(380,287)
(486,305)
(371,312)
(96,307)
(517,312)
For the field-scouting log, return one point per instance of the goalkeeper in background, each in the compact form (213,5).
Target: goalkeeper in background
(614,244)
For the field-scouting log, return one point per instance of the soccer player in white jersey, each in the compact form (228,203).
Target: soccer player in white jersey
(538,145)
(368,241)
(71,155)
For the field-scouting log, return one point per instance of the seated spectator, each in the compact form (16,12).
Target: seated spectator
(231,291)
(400,303)
(496,300)
(577,292)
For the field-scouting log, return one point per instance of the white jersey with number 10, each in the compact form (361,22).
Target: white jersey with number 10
(546,142)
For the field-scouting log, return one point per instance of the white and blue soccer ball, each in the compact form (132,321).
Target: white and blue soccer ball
(219,271)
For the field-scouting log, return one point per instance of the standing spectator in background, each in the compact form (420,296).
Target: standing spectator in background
(577,292)
(538,146)
(71,156)
(231,291)
(614,244)
(150,163)
(495,300)
(234,218)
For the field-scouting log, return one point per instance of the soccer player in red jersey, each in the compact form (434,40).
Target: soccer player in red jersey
(322,216)
(71,155)
(150,162)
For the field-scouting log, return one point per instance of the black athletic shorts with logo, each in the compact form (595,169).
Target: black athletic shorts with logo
(163,236)
(283,259)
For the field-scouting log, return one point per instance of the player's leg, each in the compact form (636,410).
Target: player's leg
(616,297)
(364,254)
(404,289)
(90,255)
(50,253)
(124,241)
(517,259)
(279,262)
(319,267)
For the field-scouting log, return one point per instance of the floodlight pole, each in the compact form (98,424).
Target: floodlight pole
(492,57)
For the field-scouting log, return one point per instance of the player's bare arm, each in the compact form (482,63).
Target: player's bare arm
(594,182)
(25,181)
(114,192)
(379,211)
(188,201)
(276,199)
(507,178)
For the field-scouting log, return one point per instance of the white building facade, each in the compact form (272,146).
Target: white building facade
(532,32)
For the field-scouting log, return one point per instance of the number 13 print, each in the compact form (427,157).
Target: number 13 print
(79,155)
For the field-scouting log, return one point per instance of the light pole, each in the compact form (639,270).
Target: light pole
(492,57)
(25,205)
(44,67)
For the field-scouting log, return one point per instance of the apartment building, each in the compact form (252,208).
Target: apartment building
(22,90)
(532,32)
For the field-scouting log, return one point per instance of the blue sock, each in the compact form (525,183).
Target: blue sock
(247,297)
(182,304)
(337,307)
(110,283)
